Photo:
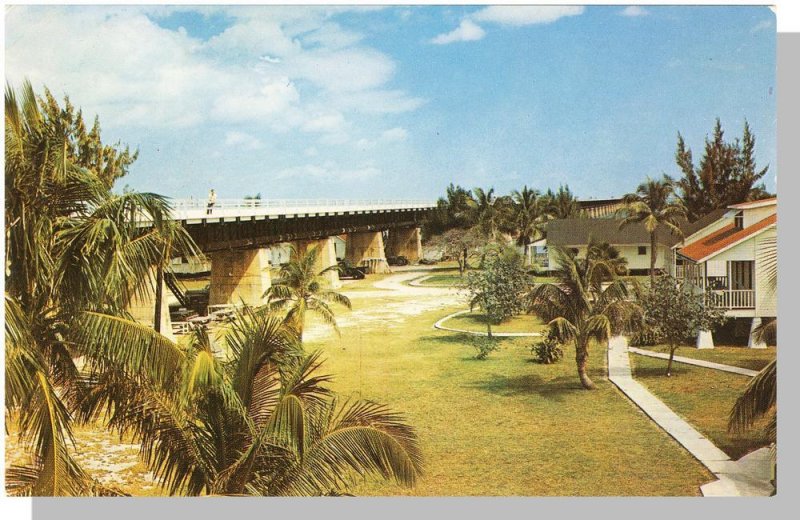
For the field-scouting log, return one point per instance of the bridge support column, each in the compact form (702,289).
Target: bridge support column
(239,276)
(143,307)
(405,242)
(366,248)
(326,257)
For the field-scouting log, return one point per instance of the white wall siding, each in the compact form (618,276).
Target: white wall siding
(752,216)
(631,253)
(766,296)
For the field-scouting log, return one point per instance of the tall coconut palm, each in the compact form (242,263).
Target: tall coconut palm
(301,287)
(609,254)
(488,211)
(73,248)
(655,206)
(562,204)
(257,420)
(587,303)
(530,215)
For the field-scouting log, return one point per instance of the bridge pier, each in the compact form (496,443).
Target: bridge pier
(142,307)
(366,248)
(239,276)
(326,257)
(405,242)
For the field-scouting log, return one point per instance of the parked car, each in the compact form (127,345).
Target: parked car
(348,271)
(397,260)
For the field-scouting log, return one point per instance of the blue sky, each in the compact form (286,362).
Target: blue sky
(399,102)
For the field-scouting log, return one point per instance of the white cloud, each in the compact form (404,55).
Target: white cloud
(377,101)
(275,67)
(394,134)
(243,140)
(344,69)
(255,100)
(763,25)
(332,35)
(634,10)
(330,172)
(465,32)
(514,15)
(311,151)
(331,122)
(525,15)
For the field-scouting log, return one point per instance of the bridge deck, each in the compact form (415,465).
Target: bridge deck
(196,211)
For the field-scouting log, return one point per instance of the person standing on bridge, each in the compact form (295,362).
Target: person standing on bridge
(212,199)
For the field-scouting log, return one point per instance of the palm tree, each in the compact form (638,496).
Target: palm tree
(259,420)
(73,249)
(562,204)
(608,253)
(587,304)
(488,211)
(655,205)
(530,215)
(300,288)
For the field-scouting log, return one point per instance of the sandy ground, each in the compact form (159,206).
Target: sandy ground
(116,463)
(398,303)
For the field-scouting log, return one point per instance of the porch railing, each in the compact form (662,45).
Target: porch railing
(734,299)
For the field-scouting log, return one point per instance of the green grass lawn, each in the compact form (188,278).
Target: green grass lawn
(506,425)
(443,280)
(702,396)
(743,357)
(477,322)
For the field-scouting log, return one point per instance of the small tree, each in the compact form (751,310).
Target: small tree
(498,288)
(459,244)
(675,313)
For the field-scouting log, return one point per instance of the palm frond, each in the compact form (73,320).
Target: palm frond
(138,349)
(758,399)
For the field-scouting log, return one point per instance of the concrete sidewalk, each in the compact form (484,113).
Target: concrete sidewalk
(747,477)
(695,362)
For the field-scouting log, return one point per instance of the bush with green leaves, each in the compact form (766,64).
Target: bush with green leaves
(676,312)
(547,351)
(645,337)
(484,346)
(499,288)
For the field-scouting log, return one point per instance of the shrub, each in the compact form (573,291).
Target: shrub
(646,337)
(484,346)
(547,351)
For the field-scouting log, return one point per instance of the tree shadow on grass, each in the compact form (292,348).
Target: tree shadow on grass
(530,384)
(660,371)
(466,340)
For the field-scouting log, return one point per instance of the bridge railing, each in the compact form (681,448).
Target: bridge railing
(199,208)
(181,204)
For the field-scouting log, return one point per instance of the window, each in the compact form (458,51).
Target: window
(642,250)
(738,220)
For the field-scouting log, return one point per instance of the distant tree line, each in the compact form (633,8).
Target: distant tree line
(726,174)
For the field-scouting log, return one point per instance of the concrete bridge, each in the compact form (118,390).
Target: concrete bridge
(237,235)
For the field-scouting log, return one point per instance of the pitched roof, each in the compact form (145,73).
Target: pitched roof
(578,231)
(755,203)
(690,229)
(723,239)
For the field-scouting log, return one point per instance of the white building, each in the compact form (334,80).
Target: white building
(734,257)
(632,241)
